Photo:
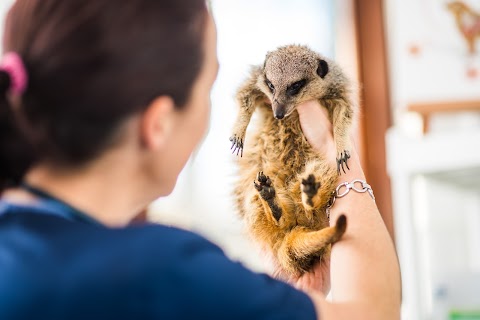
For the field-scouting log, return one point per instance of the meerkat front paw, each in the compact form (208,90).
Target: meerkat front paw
(237,144)
(342,161)
(264,187)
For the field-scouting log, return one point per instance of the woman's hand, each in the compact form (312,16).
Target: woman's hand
(317,128)
(317,280)
(367,257)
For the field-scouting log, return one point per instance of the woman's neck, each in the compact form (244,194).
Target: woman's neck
(106,190)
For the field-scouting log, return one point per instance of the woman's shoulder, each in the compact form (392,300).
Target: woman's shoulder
(161,241)
(149,269)
(56,241)
(61,233)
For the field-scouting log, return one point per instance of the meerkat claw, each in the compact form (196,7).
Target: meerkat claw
(261,179)
(347,156)
(342,161)
(237,145)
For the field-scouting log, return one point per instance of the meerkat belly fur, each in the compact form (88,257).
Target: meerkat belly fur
(284,185)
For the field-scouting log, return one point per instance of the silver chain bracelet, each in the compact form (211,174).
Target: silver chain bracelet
(340,193)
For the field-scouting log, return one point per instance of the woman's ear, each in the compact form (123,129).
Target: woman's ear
(157,123)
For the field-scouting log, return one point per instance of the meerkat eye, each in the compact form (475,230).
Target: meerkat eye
(270,85)
(296,87)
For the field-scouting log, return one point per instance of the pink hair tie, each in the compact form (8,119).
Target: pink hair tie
(13,65)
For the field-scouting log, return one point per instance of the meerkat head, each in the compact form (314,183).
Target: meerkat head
(294,74)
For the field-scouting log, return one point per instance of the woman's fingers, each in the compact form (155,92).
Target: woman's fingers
(313,109)
(317,127)
(318,279)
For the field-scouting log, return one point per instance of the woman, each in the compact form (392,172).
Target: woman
(102,103)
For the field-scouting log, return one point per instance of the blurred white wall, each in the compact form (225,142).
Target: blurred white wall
(429,62)
(4,7)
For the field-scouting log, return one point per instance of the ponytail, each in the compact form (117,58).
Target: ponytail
(16,154)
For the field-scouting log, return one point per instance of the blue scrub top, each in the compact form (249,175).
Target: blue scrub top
(56,263)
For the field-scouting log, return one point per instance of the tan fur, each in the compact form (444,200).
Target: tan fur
(278,148)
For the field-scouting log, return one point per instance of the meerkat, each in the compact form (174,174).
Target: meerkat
(284,185)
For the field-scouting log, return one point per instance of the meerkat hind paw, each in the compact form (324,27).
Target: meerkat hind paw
(264,186)
(310,186)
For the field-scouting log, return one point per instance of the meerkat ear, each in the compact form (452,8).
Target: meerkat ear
(322,69)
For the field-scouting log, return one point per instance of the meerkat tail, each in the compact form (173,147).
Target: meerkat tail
(301,243)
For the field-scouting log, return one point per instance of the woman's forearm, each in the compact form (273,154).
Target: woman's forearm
(364,271)
(364,265)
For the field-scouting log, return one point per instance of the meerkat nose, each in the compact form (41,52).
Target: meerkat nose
(279,114)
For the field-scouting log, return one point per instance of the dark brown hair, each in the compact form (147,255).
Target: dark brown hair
(92,64)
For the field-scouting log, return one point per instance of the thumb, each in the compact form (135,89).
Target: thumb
(316,126)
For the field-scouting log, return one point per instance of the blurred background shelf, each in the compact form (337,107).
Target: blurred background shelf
(436,199)
(468,178)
